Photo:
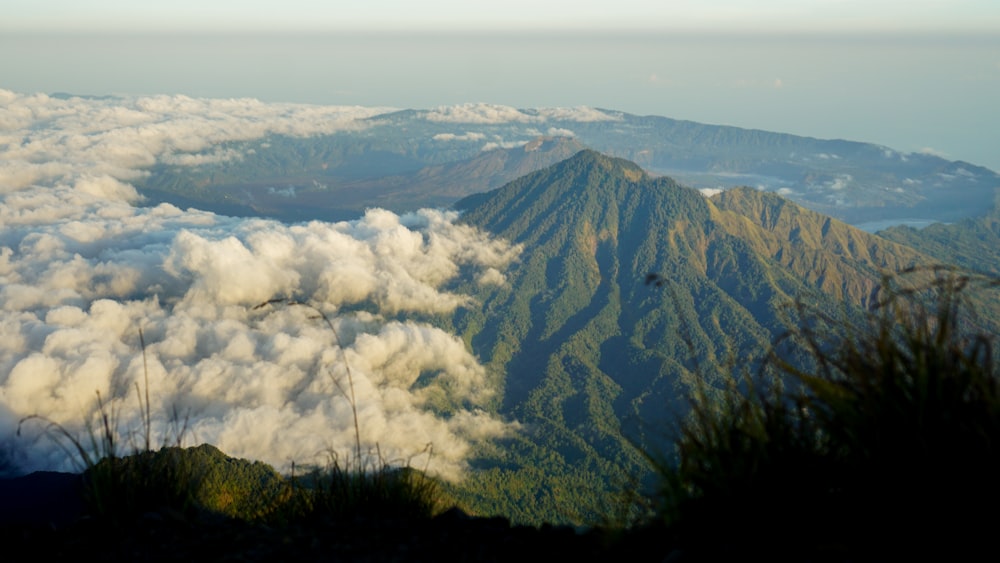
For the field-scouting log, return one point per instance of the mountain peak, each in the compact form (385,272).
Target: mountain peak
(591,158)
(588,188)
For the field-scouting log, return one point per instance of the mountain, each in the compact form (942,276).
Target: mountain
(832,257)
(972,243)
(409,159)
(338,177)
(596,362)
(852,181)
(440,185)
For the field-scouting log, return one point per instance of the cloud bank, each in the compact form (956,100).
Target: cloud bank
(493,114)
(83,270)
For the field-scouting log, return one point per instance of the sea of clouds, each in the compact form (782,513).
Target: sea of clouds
(85,269)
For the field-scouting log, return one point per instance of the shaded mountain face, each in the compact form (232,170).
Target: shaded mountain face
(594,359)
(411,159)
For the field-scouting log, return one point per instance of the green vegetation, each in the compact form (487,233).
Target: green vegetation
(201,484)
(185,483)
(595,363)
(886,447)
(972,243)
(380,492)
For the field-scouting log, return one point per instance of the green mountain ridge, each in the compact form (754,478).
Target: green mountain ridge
(595,362)
(972,243)
(841,261)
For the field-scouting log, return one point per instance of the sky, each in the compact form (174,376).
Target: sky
(769,15)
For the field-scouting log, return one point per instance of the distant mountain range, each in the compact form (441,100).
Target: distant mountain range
(431,158)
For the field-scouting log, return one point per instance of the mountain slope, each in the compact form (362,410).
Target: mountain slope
(595,361)
(973,243)
(831,256)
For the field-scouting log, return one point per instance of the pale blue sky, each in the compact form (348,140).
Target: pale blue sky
(765,15)
(910,74)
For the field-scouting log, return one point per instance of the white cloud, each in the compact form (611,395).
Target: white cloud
(479,113)
(50,139)
(493,145)
(933,152)
(581,114)
(560,132)
(467,136)
(492,114)
(82,270)
(215,156)
(842,181)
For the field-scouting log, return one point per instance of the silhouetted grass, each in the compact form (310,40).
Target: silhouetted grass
(121,481)
(887,444)
(339,493)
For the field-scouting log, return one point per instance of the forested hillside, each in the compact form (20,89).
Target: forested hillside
(595,361)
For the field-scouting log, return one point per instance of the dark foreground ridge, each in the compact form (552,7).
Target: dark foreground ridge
(38,522)
(42,520)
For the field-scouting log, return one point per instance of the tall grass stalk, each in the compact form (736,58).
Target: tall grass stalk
(885,437)
(355,487)
(118,484)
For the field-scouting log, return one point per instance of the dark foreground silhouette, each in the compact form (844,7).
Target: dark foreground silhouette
(42,518)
